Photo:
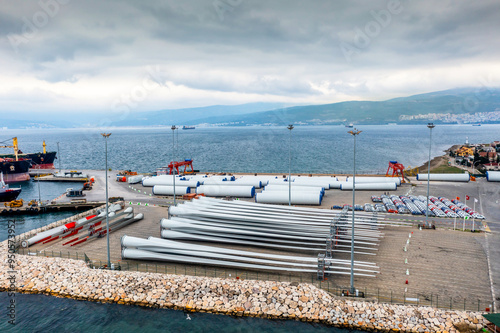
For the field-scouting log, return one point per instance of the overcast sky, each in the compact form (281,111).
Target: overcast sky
(98,56)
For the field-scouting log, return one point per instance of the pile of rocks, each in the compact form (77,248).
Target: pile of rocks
(268,299)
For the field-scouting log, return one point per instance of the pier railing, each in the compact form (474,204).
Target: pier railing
(52,254)
(382,295)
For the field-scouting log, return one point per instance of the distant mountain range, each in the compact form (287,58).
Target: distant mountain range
(397,110)
(193,115)
(456,101)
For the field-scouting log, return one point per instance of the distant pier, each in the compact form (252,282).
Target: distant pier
(57,207)
(52,178)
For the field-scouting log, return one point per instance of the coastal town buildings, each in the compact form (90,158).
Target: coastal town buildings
(450,118)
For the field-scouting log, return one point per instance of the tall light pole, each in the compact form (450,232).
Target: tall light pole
(106,136)
(430,126)
(173,128)
(59,157)
(39,193)
(177,141)
(354,132)
(290,127)
(38,183)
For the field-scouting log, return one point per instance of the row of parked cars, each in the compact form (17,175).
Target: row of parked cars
(416,205)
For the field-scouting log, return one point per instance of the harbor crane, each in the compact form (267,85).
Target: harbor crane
(397,170)
(176,165)
(15,146)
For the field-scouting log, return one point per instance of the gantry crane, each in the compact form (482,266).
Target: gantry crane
(176,165)
(397,170)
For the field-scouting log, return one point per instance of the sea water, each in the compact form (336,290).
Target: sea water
(40,313)
(33,190)
(253,149)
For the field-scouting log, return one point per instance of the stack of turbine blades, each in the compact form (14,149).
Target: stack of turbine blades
(167,250)
(209,231)
(269,235)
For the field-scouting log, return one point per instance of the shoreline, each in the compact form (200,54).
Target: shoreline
(261,299)
(437,161)
(69,278)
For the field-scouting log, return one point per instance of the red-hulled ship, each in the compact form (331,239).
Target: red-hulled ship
(40,160)
(15,169)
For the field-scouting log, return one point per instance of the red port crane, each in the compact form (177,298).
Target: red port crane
(176,165)
(397,170)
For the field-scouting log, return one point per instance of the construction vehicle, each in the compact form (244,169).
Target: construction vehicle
(14,203)
(127,173)
(190,196)
(409,171)
(121,179)
(87,186)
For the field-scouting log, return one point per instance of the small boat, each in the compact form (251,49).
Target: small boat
(351,125)
(6,193)
(476,124)
(188,127)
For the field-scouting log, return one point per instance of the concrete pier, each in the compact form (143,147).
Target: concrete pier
(435,259)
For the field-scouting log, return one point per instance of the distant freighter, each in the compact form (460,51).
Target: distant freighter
(188,127)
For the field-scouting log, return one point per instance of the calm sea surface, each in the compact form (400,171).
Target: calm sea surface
(48,191)
(321,149)
(315,149)
(39,313)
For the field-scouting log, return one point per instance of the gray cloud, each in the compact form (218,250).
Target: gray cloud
(257,50)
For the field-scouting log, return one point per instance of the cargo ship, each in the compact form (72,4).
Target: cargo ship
(6,193)
(40,160)
(188,127)
(14,168)
(15,171)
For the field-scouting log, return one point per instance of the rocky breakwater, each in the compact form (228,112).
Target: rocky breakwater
(281,300)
